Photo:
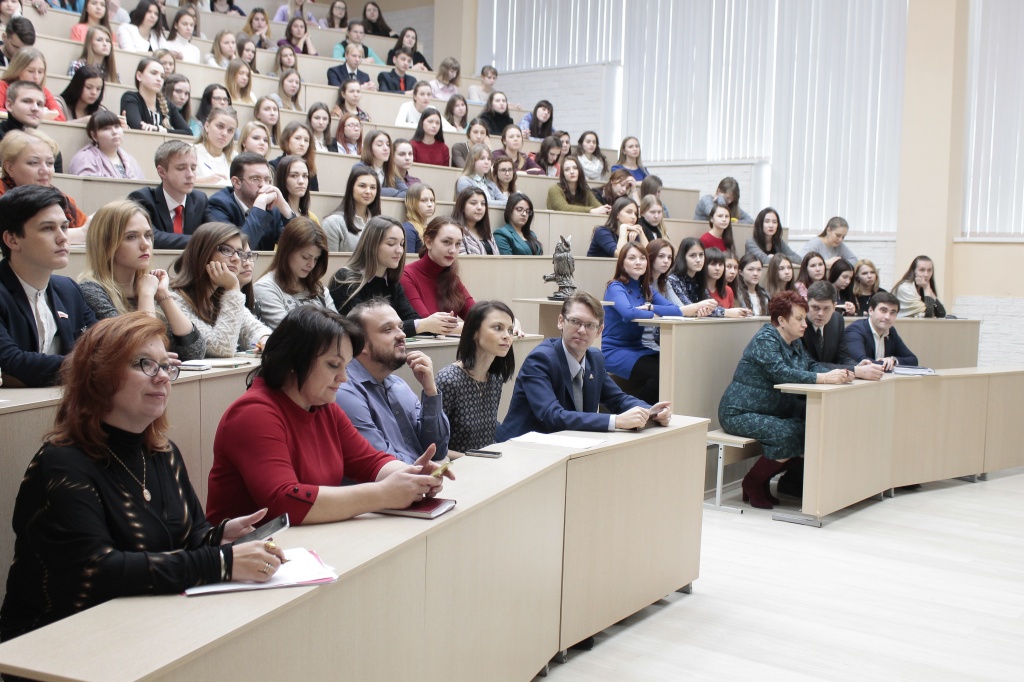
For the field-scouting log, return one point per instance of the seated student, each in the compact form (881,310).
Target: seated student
(178,93)
(226,7)
(247,54)
(432,283)
(29,65)
(377,157)
(840,275)
(503,175)
(633,299)
(476,173)
(825,338)
(830,243)
(471,386)
(83,96)
(19,33)
(516,237)
(420,204)
(25,106)
(287,446)
(715,280)
(297,36)
(268,113)
(179,40)
(294,275)
(548,157)
(749,292)
(408,40)
(403,153)
(620,229)
(41,314)
(652,186)
(166,60)
(512,148)
(252,203)
(687,280)
(105,157)
(117,278)
(347,104)
(410,112)
(174,209)
(456,112)
(141,33)
(238,81)
(375,271)
(381,406)
(94,13)
(337,15)
(572,193)
(146,108)
(620,184)
(216,148)
(356,33)
(865,283)
(447,82)
(629,159)
(780,275)
(284,59)
(318,120)
(292,178)
(719,234)
(652,215)
(563,382)
(289,89)
(92,521)
(222,51)
(478,94)
(812,269)
(373,19)
(727,194)
(297,140)
(428,141)
(916,290)
(875,338)
(349,70)
(592,159)
(752,407)
(539,124)
(495,114)
(206,288)
(476,133)
(360,203)
(214,97)
(349,135)
(471,212)
(398,80)
(767,240)
(97,51)
(254,137)
(28,157)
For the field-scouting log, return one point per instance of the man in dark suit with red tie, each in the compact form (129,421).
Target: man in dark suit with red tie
(174,209)
(563,381)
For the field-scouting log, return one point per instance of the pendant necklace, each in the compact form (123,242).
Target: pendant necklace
(145,490)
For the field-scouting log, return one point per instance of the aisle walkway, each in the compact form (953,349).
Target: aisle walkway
(926,586)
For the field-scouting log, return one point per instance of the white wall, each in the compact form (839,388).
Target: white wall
(1002,327)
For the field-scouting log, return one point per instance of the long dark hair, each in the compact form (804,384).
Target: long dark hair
(542,130)
(528,234)
(654,247)
(305,333)
(613,216)
(715,255)
(347,207)
(169,83)
(759,236)
(805,274)
(379,27)
(466,353)
(841,266)
(582,193)
(680,269)
(284,165)
(73,92)
(598,154)
(449,295)
(727,232)
(391,176)
(206,101)
(418,135)
(299,233)
(482,226)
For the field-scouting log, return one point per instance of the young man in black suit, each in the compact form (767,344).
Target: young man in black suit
(174,209)
(398,80)
(349,70)
(41,314)
(825,336)
(252,203)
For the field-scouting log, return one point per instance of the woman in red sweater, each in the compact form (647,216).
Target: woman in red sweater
(428,144)
(432,283)
(286,445)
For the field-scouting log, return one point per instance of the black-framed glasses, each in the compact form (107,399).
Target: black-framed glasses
(522,211)
(228,252)
(151,368)
(578,323)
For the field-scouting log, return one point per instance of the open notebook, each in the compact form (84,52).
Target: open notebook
(302,568)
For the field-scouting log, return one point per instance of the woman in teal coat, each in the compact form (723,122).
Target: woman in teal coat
(752,407)
(516,236)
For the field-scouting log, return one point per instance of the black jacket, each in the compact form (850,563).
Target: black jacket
(196,213)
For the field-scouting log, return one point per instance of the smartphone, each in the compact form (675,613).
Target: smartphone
(265,531)
(490,454)
(439,471)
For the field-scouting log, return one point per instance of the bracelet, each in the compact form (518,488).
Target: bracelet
(226,560)
(223,568)
(158,301)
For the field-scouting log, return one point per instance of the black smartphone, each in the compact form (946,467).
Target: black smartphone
(265,531)
(490,454)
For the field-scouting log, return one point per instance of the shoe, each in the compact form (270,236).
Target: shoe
(584,644)
(791,483)
(756,479)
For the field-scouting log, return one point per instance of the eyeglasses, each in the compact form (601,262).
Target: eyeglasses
(578,323)
(228,252)
(505,170)
(151,368)
(522,211)
(257,180)
(219,98)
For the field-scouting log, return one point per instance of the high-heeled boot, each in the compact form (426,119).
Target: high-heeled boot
(754,482)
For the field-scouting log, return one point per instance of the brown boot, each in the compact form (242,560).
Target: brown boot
(755,481)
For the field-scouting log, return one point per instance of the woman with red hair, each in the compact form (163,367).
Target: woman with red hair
(106,508)
(752,407)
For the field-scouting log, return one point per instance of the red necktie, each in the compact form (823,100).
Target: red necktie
(179,222)
(401,83)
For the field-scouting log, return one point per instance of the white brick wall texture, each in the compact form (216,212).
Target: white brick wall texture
(421,19)
(1002,327)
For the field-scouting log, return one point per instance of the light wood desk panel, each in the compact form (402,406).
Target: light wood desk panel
(939,343)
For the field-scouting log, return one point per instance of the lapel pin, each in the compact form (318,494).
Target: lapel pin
(61,314)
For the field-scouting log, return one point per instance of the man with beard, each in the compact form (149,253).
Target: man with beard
(381,405)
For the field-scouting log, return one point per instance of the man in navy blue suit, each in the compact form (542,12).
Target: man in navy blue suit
(349,70)
(875,338)
(563,381)
(252,203)
(41,314)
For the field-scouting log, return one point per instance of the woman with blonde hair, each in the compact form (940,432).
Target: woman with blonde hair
(420,203)
(216,148)
(268,112)
(257,27)
(865,283)
(206,288)
(289,85)
(98,51)
(30,65)
(255,137)
(223,50)
(293,279)
(117,278)
(238,81)
(27,157)
(629,159)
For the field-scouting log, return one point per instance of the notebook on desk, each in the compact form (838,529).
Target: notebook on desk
(428,508)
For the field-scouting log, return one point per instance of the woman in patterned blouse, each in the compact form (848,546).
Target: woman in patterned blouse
(471,386)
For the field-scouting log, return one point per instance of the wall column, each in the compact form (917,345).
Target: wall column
(455,33)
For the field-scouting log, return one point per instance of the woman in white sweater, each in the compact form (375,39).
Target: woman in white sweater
(207,290)
(293,279)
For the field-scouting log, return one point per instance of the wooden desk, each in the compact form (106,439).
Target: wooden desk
(939,343)
(468,590)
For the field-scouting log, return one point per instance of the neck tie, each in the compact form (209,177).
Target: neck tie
(821,338)
(577,390)
(179,221)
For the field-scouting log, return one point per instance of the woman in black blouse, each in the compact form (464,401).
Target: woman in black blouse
(147,108)
(375,269)
(106,508)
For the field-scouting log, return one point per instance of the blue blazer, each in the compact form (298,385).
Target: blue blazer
(19,358)
(861,344)
(262,227)
(542,400)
